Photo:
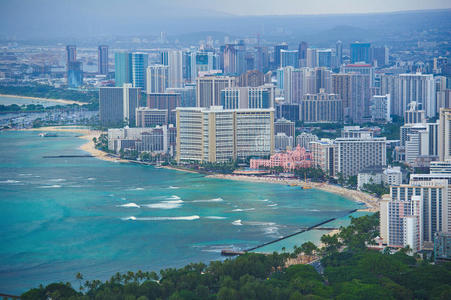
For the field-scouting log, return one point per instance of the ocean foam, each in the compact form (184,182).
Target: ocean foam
(91,178)
(58,180)
(272,231)
(215,218)
(173,187)
(10,181)
(166,204)
(55,186)
(243,209)
(131,204)
(271,205)
(184,218)
(209,200)
(237,223)
(260,223)
(173,197)
(137,189)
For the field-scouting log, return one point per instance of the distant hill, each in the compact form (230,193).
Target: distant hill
(85,19)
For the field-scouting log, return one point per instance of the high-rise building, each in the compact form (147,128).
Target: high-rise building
(217,135)
(324,57)
(252,78)
(304,140)
(380,55)
(389,85)
(303,50)
(380,108)
(209,89)
(194,62)
(277,55)
(102,61)
(354,90)
(284,126)
(151,117)
(339,53)
(321,107)
(419,88)
(122,68)
(354,154)
(311,60)
(262,59)
(289,58)
(241,62)
(230,59)
(247,97)
(400,222)
(432,195)
(74,68)
(175,65)
(323,152)
(117,105)
(282,142)
(187,95)
(365,69)
(75,74)
(138,68)
(444,134)
(442,246)
(157,79)
(414,114)
(298,82)
(360,52)
(71,54)
(288,111)
(168,101)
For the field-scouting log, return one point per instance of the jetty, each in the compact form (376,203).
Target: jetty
(305,229)
(68,156)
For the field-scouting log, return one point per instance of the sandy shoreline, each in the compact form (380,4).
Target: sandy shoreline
(371,202)
(87,134)
(61,101)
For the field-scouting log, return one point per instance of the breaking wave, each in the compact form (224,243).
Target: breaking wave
(209,200)
(184,218)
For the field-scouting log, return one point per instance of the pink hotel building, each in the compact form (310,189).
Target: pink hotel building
(289,160)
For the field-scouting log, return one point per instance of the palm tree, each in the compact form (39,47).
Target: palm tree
(79,277)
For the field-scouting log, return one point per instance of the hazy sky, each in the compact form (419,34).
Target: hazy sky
(293,7)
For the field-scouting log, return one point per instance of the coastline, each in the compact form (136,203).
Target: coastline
(371,202)
(88,135)
(61,101)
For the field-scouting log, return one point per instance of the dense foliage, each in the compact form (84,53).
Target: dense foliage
(377,189)
(49,92)
(351,271)
(314,174)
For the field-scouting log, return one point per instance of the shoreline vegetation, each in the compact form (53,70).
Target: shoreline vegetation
(61,101)
(346,266)
(371,202)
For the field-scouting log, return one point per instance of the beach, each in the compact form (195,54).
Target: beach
(88,135)
(370,201)
(61,101)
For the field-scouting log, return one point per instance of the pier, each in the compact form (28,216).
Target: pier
(305,229)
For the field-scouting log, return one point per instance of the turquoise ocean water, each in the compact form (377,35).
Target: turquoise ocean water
(5,100)
(63,216)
